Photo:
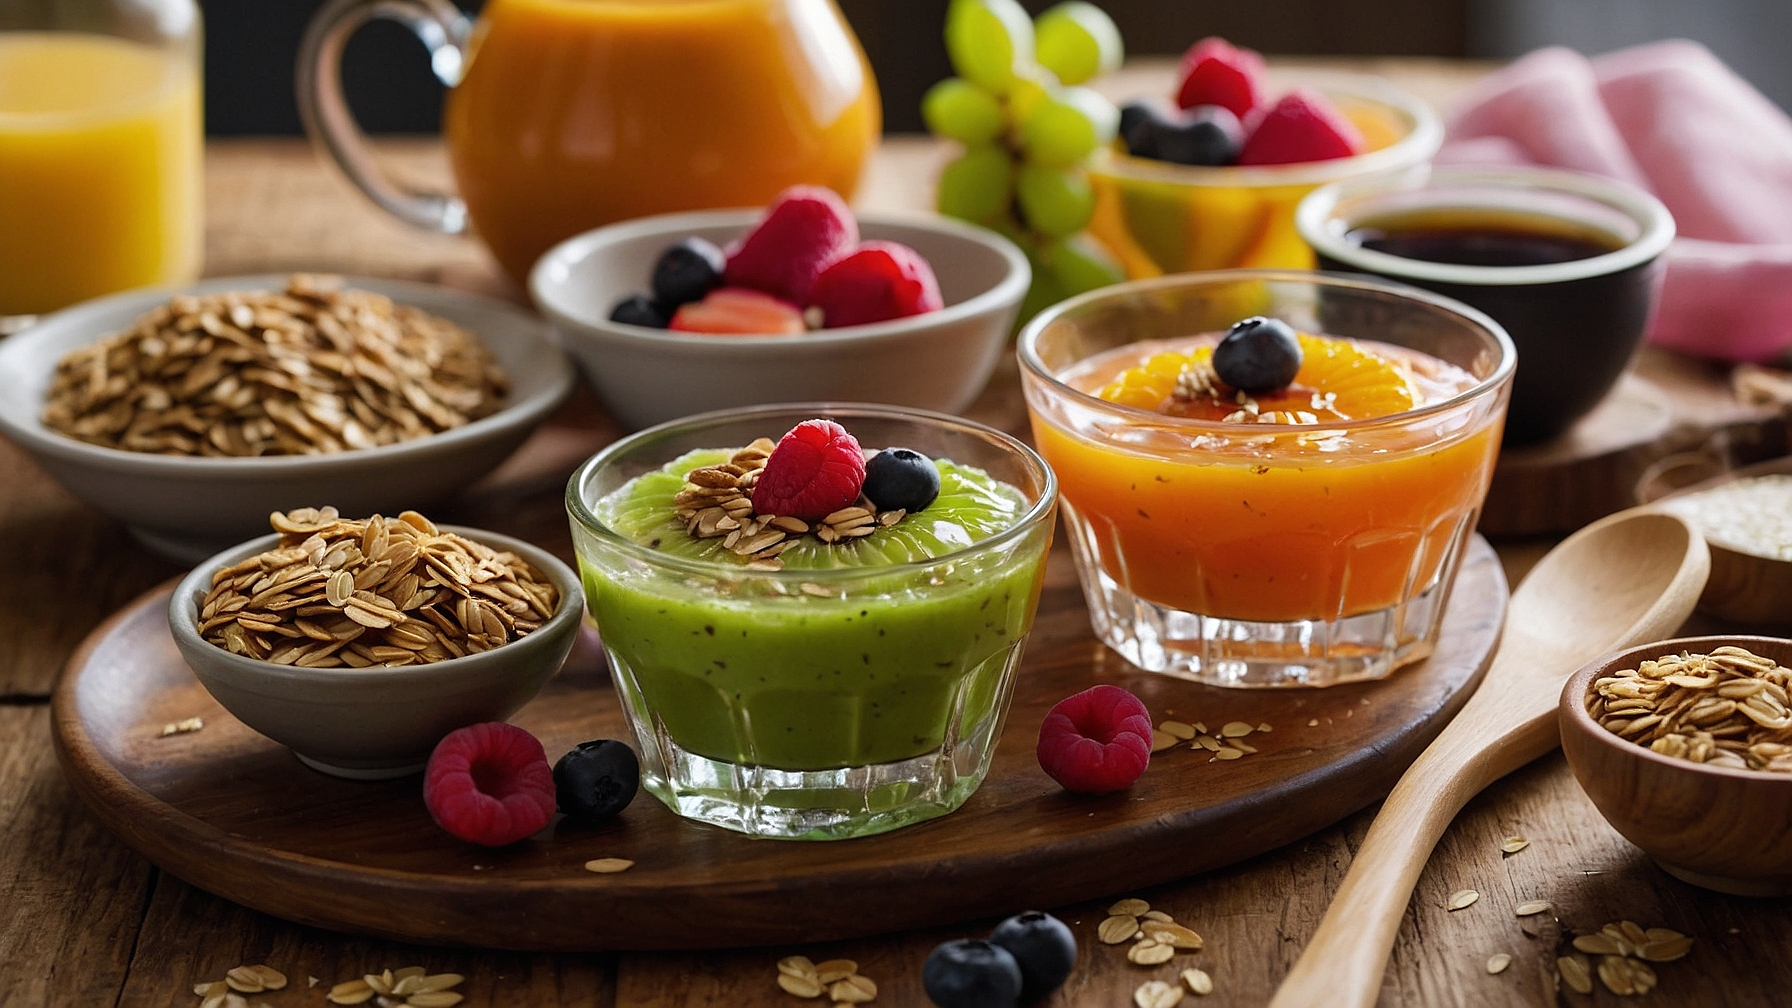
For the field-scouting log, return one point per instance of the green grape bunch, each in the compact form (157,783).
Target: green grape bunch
(1028,127)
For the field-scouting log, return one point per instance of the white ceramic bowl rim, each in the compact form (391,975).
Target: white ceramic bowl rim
(582,512)
(1577,706)
(183,613)
(1030,360)
(543,283)
(1416,147)
(1319,226)
(39,437)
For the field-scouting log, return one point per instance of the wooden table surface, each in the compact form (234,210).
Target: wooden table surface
(87,921)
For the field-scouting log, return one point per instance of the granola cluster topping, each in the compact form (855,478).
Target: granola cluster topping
(1727,708)
(313,369)
(717,502)
(376,591)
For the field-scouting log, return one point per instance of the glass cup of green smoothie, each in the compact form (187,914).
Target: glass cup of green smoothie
(861,685)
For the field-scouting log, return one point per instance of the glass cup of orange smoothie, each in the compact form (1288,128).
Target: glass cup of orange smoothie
(565,115)
(1302,537)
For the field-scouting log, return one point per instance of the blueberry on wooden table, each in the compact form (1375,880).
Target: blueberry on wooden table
(1042,946)
(971,974)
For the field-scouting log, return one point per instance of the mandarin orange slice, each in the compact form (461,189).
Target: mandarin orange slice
(1339,379)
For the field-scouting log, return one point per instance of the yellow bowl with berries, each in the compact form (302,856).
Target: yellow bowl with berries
(1158,217)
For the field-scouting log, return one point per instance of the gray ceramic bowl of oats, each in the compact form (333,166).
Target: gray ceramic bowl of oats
(376,723)
(187,507)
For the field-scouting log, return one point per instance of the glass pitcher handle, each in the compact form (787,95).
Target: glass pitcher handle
(443,29)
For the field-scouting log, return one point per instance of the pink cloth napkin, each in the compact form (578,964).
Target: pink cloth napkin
(1671,118)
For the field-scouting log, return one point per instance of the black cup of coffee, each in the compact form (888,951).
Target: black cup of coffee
(1568,264)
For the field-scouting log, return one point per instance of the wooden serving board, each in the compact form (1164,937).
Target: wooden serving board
(236,814)
(1667,403)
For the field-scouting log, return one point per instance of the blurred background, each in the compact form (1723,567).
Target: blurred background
(250,45)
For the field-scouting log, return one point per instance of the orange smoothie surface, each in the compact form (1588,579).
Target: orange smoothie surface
(1275,507)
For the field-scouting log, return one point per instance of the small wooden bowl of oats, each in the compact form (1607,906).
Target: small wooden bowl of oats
(358,644)
(1685,746)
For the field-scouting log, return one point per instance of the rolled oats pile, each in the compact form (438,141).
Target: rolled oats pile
(380,591)
(313,369)
(1727,708)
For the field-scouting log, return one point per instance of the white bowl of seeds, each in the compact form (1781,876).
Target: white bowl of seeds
(192,414)
(360,643)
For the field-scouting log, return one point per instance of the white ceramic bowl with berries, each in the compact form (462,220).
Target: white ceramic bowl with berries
(938,358)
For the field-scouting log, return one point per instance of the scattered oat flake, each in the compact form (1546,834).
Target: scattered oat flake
(1198,981)
(1158,915)
(1118,928)
(1179,729)
(853,989)
(183,726)
(1172,934)
(1157,994)
(609,865)
(1665,949)
(1150,952)
(1574,973)
(1514,844)
(1533,907)
(797,966)
(1161,740)
(1598,944)
(1235,729)
(801,986)
(312,981)
(835,969)
(1314,723)
(1264,727)
(1131,907)
(1463,898)
(1498,962)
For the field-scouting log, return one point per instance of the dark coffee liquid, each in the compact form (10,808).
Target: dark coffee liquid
(1483,238)
(1574,335)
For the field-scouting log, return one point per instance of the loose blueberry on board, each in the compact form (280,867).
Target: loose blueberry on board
(489,784)
(1097,741)
(687,271)
(596,780)
(1207,135)
(639,310)
(971,974)
(901,479)
(1258,355)
(1043,947)
(817,469)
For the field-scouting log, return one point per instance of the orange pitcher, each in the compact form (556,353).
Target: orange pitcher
(568,114)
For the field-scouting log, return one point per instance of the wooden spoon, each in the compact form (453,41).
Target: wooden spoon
(1624,580)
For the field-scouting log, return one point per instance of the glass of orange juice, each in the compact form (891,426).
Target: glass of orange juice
(101,140)
(1304,536)
(564,115)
